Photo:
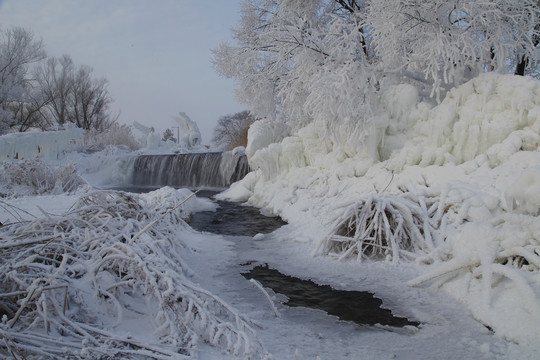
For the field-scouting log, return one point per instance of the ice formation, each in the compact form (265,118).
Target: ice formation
(152,139)
(492,116)
(263,133)
(524,193)
(190,135)
(475,157)
(49,145)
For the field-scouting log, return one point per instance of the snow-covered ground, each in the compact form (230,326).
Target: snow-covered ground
(448,331)
(464,174)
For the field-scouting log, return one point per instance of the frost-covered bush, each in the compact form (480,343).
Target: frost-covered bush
(38,178)
(118,135)
(71,285)
(386,226)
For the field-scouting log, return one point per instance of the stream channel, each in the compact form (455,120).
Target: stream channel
(303,304)
(240,222)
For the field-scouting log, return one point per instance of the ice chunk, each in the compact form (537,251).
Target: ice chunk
(263,133)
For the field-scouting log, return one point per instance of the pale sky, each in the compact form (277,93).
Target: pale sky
(154,53)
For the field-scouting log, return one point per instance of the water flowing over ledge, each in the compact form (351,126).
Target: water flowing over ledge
(212,169)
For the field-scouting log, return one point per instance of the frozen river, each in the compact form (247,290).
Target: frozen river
(221,262)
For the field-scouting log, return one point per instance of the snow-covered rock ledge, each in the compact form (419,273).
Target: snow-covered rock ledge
(467,169)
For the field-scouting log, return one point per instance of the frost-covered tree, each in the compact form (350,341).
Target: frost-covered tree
(298,60)
(444,43)
(231,130)
(301,61)
(18,50)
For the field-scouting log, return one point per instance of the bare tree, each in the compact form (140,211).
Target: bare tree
(74,95)
(231,130)
(55,93)
(55,79)
(31,112)
(91,101)
(169,135)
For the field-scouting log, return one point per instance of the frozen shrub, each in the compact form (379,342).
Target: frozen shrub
(71,282)
(118,135)
(40,178)
(385,226)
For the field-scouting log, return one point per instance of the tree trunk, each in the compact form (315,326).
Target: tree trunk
(524,61)
(521,65)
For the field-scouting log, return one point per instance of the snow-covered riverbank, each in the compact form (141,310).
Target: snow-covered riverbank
(215,263)
(453,189)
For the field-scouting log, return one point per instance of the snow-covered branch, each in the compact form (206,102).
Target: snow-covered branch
(68,292)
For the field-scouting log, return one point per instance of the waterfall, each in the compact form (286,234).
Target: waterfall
(214,169)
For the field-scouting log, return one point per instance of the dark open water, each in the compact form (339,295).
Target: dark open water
(361,307)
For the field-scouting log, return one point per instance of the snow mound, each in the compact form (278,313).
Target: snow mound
(49,145)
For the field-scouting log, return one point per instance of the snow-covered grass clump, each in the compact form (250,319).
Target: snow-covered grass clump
(453,188)
(108,279)
(35,177)
(494,268)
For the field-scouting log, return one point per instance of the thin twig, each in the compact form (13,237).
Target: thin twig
(17,293)
(259,286)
